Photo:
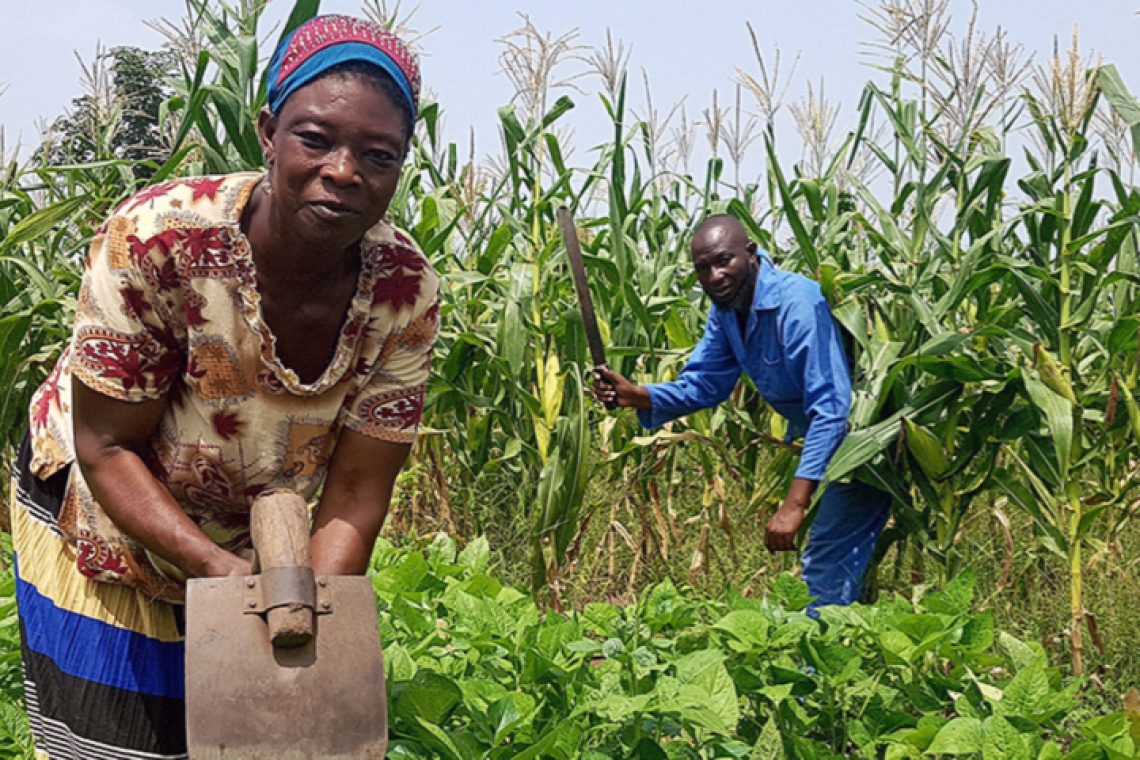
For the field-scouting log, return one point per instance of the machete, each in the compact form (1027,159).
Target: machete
(582,285)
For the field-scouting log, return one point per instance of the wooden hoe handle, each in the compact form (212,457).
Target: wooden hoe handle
(279,527)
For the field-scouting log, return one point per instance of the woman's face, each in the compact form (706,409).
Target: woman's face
(335,151)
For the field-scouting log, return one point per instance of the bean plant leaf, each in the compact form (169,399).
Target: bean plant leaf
(961,736)
(955,598)
(748,630)
(769,745)
(398,664)
(792,593)
(561,741)
(509,713)
(1113,737)
(440,740)
(702,691)
(1002,741)
(1028,694)
(1020,654)
(429,696)
(617,707)
(476,555)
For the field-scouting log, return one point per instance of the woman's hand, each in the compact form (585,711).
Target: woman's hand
(614,390)
(224,564)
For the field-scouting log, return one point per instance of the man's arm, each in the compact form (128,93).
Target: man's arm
(355,502)
(707,380)
(814,352)
(780,535)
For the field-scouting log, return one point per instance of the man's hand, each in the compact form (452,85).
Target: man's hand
(780,535)
(614,390)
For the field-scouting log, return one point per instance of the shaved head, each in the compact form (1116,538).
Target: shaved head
(725,260)
(720,230)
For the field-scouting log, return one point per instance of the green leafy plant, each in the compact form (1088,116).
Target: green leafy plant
(475,669)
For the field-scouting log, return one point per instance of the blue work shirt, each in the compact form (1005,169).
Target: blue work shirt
(793,352)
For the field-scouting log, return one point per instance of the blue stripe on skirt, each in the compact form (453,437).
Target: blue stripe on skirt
(96,651)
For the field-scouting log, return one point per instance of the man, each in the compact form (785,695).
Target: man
(777,328)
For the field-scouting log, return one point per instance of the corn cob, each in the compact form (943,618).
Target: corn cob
(926,449)
(1133,407)
(1053,374)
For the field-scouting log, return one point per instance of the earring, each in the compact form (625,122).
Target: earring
(266,183)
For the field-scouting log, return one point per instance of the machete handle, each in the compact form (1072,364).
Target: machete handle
(611,405)
(279,527)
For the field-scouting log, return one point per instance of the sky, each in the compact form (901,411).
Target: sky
(687,49)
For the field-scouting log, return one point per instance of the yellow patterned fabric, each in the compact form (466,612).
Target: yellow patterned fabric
(169,308)
(52,573)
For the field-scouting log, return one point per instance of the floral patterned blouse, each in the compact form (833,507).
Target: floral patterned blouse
(169,308)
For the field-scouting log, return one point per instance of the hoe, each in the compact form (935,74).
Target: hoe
(283,664)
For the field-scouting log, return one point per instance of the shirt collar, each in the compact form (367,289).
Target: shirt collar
(767,295)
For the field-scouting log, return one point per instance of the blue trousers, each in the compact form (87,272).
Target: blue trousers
(841,541)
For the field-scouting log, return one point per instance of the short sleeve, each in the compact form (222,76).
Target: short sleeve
(127,343)
(390,404)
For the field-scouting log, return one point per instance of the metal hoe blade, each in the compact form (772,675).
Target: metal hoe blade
(246,700)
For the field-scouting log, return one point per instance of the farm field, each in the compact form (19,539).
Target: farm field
(555,581)
(476,669)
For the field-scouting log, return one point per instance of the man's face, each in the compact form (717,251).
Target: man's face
(726,267)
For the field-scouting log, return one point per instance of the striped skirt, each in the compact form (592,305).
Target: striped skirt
(103,666)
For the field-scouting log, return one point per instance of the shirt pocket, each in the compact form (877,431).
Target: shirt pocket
(771,342)
(769,362)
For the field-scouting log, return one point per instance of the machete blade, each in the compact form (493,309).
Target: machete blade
(582,285)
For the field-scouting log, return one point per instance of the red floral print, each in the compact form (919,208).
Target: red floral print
(145,195)
(401,256)
(193,303)
(114,358)
(227,425)
(397,289)
(46,397)
(93,556)
(205,187)
(134,301)
(402,410)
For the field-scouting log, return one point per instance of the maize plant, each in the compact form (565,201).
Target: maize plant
(1080,280)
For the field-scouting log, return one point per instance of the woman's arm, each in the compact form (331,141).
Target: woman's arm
(109,434)
(355,502)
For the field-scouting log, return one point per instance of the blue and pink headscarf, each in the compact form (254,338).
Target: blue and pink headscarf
(325,41)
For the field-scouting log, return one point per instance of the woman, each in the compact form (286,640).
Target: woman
(233,334)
